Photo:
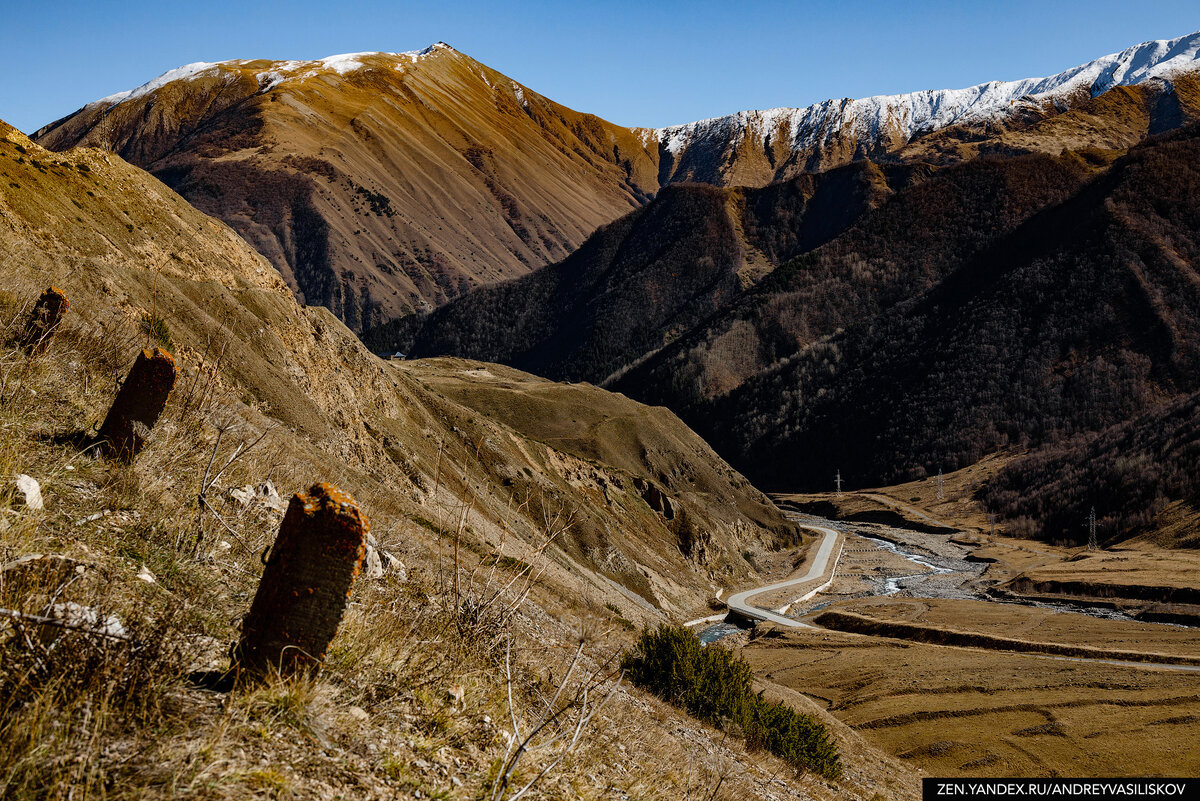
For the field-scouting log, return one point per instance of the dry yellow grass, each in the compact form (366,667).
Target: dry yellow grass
(965,712)
(1030,624)
(915,504)
(88,715)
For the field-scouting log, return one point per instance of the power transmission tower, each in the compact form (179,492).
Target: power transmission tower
(838,480)
(1092,544)
(992,520)
(941,488)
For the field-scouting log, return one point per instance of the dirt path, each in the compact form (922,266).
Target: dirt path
(895,504)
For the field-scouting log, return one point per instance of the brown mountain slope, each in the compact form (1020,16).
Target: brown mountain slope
(99,208)
(1084,316)
(1001,303)
(641,282)
(937,218)
(375,190)
(305,371)
(680,301)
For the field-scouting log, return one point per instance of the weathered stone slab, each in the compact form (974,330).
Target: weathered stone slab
(138,405)
(306,585)
(44,319)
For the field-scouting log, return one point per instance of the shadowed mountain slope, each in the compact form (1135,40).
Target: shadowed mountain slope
(1129,474)
(641,281)
(679,301)
(1083,316)
(936,219)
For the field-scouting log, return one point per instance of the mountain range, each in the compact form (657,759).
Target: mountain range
(617,338)
(380,184)
(889,319)
(887,287)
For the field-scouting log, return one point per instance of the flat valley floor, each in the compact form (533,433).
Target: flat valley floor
(918,647)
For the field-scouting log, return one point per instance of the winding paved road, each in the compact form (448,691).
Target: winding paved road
(740,602)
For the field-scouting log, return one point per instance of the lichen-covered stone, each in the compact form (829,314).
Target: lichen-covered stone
(306,585)
(43,320)
(138,405)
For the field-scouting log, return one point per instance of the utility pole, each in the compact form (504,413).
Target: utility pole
(1092,544)
(838,481)
(941,489)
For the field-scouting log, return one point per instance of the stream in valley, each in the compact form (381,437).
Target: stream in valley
(945,574)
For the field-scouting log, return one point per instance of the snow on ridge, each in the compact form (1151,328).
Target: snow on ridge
(909,114)
(279,72)
(186,72)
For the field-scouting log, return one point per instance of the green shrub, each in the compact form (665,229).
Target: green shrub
(154,327)
(715,685)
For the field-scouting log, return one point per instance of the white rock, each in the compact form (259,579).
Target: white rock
(264,493)
(243,495)
(145,575)
(379,562)
(85,617)
(32,491)
(372,564)
(270,496)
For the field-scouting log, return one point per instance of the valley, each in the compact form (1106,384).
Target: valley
(907,648)
(896,399)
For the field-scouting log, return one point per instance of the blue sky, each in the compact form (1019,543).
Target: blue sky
(635,63)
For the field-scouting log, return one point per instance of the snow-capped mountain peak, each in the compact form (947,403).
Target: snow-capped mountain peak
(906,115)
(278,71)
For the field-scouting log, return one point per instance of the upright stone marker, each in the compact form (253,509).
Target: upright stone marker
(47,313)
(306,586)
(138,405)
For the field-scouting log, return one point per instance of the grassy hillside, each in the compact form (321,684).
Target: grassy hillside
(516,552)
